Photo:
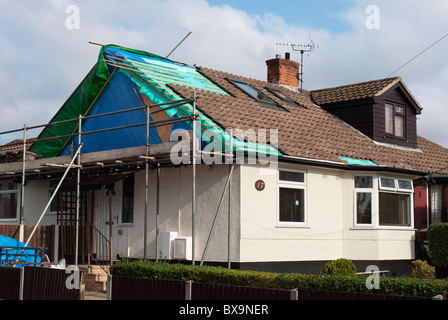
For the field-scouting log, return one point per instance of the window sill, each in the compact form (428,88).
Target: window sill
(403,228)
(292,225)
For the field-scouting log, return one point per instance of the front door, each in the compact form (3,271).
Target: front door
(106,224)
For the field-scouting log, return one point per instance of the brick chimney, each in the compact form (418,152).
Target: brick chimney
(283,72)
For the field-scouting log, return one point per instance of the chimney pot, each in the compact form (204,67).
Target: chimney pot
(287,56)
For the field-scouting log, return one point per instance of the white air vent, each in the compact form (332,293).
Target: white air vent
(182,248)
(166,244)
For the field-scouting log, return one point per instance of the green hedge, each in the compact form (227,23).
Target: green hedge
(438,244)
(354,284)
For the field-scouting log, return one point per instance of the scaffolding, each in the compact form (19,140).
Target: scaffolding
(156,161)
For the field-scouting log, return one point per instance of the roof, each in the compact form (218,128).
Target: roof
(359,91)
(311,132)
(305,132)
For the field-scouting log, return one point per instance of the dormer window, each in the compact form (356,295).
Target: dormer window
(395,123)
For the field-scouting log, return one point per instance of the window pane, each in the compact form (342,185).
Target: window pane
(363,182)
(7,186)
(399,109)
(364,208)
(127,215)
(8,206)
(405,185)
(389,118)
(394,209)
(292,176)
(292,205)
(387,183)
(399,127)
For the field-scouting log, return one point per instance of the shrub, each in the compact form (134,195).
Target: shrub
(422,270)
(403,286)
(438,246)
(341,267)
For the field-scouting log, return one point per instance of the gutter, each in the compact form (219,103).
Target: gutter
(343,166)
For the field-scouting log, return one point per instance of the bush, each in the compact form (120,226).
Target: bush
(438,247)
(341,267)
(422,270)
(206,274)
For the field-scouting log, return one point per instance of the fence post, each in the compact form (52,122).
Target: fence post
(21,282)
(109,287)
(188,287)
(294,294)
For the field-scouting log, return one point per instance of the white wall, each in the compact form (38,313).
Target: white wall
(175,211)
(328,233)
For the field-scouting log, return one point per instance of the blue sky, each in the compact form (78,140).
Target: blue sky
(43,60)
(313,14)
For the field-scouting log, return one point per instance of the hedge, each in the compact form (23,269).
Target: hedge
(438,244)
(403,286)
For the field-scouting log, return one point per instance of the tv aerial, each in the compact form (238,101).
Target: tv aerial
(302,48)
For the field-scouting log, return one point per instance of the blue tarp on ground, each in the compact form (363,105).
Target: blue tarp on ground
(11,248)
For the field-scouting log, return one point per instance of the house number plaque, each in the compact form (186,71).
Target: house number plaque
(259,185)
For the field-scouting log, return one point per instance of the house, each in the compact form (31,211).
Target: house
(158,159)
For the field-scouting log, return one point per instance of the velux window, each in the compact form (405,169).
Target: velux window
(395,123)
(291,198)
(256,94)
(383,202)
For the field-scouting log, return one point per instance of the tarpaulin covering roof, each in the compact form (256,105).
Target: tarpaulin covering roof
(124,79)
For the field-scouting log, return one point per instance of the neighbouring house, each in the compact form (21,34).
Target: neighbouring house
(283,180)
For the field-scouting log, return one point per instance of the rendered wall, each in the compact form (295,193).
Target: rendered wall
(175,211)
(329,232)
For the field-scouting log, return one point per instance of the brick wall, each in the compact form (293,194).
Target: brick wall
(283,71)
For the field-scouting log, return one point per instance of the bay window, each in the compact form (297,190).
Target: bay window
(383,202)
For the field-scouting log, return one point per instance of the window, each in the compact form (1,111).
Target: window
(255,94)
(9,194)
(364,200)
(279,94)
(386,203)
(395,120)
(127,215)
(395,202)
(291,198)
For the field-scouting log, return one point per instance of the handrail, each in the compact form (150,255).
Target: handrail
(101,248)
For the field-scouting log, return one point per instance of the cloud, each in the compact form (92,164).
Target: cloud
(43,61)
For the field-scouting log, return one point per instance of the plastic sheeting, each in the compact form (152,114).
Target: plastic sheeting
(121,94)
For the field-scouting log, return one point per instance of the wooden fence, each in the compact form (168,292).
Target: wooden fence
(36,283)
(128,288)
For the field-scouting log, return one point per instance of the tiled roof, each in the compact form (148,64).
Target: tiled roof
(311,132)
(13,151)
(355,91)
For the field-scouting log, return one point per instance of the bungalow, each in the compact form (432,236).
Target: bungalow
(158,159)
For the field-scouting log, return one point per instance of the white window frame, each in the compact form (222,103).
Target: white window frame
(373,208)
(377,187)
(18,193)
(292,185)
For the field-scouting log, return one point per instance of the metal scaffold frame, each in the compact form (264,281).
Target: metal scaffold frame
(77,158)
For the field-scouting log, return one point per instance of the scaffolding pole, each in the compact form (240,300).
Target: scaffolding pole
(193,187)
(78,192)
(22,194)
(53,195)
(217,213)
